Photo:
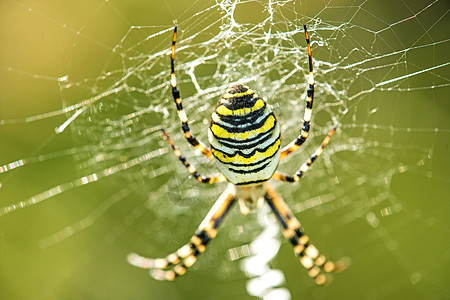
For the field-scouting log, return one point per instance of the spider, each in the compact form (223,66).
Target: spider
(244,136)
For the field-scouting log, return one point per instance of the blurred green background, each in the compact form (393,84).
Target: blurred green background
(387,173)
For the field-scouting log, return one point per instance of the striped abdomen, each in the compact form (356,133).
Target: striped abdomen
(244,136)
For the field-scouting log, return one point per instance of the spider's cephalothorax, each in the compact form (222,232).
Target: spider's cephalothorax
(244,136)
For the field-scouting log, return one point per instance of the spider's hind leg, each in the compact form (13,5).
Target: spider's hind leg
(177,263)
(197,144)
(295,144)
(315,263)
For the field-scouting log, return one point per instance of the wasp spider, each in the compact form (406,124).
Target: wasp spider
(244,136)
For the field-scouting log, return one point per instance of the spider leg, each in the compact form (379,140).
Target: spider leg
(306,165)
(181,113)
(177,263)
(191,169)
(295,144)
(315,263)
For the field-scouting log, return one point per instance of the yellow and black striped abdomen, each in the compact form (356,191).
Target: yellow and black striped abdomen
(244,136)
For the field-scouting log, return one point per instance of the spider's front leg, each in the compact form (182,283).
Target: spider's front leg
(315,263)
(176,263)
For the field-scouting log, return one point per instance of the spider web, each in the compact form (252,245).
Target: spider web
(86,178)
